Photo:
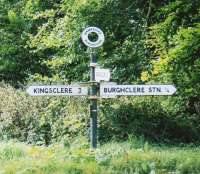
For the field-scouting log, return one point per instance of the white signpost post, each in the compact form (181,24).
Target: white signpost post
(107,90)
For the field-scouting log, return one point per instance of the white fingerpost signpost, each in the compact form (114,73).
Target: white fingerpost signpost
(136,90)
(97,75)
(57,90)
(94,78)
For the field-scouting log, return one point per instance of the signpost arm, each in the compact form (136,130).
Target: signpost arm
(93,101)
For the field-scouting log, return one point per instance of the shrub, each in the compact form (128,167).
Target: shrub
(149,117)
(44,120)
(40,120)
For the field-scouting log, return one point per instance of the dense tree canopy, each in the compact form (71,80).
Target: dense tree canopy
(147,41)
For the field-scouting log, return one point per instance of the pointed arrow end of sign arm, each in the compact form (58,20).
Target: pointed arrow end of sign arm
(173,89)
(170,89)
(29,90)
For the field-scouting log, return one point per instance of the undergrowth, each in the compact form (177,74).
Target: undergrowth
(111,158)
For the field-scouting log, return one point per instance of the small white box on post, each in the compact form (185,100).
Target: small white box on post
(102,74)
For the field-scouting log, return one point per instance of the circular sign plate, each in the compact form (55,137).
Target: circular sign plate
(93,44)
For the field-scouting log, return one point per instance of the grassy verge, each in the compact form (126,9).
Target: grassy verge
(111,158)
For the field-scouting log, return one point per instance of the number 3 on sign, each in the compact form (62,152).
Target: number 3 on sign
(79,90)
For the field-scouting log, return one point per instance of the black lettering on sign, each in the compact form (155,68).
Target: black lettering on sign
(54,90)
(58,91)
(118,89)
(105,90)
(66,90)
(50,90)
(35,90)
(79,90)
(46,90)
(62,90)
(154,89)
(138,89)
(158,89)
(70,90)
(128,90)
(41,90)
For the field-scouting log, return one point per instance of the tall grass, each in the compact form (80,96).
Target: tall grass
(111,158)
(11,151)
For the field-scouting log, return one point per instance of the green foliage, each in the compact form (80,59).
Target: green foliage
(175,48)
(40,120)
(58,39)
(40,43)
(9,152)
(110,158)
(150,117)
(15,59)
